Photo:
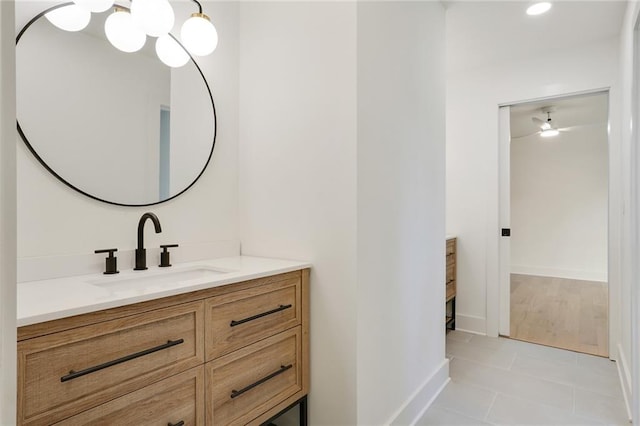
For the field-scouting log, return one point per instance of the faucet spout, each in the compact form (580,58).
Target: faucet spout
(141,252)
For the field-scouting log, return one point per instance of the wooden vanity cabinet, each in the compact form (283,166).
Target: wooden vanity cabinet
(450,284)
(235,354)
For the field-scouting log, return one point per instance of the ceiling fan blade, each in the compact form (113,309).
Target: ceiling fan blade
(524,136)
(537,121)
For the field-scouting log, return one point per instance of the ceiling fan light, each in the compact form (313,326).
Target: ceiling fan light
(69,18)
(538,8)
(170,52)
(198,35)
(548,133)
(155,17)
(95,6)
(122,33)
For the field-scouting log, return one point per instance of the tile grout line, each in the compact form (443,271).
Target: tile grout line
(493,401)
(513,361)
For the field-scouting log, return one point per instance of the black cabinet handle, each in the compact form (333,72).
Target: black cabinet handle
(264,314)
(75,374)
(283,368)
(180,423)
(450,281)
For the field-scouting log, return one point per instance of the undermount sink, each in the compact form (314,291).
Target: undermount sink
(156,279)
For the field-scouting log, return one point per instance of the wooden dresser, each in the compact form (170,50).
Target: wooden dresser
(450,284)
(231,355)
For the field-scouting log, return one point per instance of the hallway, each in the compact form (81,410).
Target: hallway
(507,382)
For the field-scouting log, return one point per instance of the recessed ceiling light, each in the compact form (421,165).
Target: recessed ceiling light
(538,8)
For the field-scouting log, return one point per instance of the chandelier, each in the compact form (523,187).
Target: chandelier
(127,28)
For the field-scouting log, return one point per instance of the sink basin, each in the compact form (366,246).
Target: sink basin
(156,280)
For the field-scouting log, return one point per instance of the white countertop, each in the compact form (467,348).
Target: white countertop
(449,236)
(47,300)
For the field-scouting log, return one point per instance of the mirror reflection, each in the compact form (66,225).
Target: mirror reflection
(119,127)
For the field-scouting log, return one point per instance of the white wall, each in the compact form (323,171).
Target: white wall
(559,204)
(59,229)
(629,346)
(298,172)
(473,97)
(351,180)
(401,236)
(7,217)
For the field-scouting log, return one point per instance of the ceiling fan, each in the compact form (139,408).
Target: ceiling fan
(548,127)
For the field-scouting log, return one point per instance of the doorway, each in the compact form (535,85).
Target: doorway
(558,214)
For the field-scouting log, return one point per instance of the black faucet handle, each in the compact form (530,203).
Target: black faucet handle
(111,262)
(164,256)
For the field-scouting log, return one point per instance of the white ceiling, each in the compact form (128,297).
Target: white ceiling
(480,33)
(569,113)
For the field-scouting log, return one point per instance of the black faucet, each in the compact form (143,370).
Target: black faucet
(141,252)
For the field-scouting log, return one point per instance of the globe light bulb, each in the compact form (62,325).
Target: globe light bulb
(69,18)
(122,33)
(155,17)
(198,35)
(95,6)
(170,52)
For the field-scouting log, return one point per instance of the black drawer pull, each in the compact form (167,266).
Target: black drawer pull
(283,368)
(180,423)
(75,374)
(450,281)
(264,314)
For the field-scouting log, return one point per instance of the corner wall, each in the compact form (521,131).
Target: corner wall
(342,164)
(401,238)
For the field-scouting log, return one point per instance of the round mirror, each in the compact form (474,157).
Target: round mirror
(122,128)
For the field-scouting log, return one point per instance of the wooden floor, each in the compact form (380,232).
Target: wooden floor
(559,312)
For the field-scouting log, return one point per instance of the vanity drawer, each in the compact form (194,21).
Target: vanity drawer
(451,289)
(64,373)
(451,272)
(242,385)
(451,247)
(179,398)
(241,318)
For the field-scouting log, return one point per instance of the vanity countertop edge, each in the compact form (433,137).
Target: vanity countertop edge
(47,300)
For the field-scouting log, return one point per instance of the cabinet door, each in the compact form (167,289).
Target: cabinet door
(178,400)
(64,373)
(252,380)
(243,317)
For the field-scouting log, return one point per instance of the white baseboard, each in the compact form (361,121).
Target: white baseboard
(471,324)
(625,379)
(417,404)
(571,274)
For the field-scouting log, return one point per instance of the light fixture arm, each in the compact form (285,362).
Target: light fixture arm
(199,5)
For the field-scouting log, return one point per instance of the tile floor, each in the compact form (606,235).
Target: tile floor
(497,381)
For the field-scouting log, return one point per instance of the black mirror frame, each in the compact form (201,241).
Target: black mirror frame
(61,179)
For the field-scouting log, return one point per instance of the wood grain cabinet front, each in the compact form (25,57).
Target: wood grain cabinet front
(240,318)
(450,283)
(177,400)
(249,381)
(68,372)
